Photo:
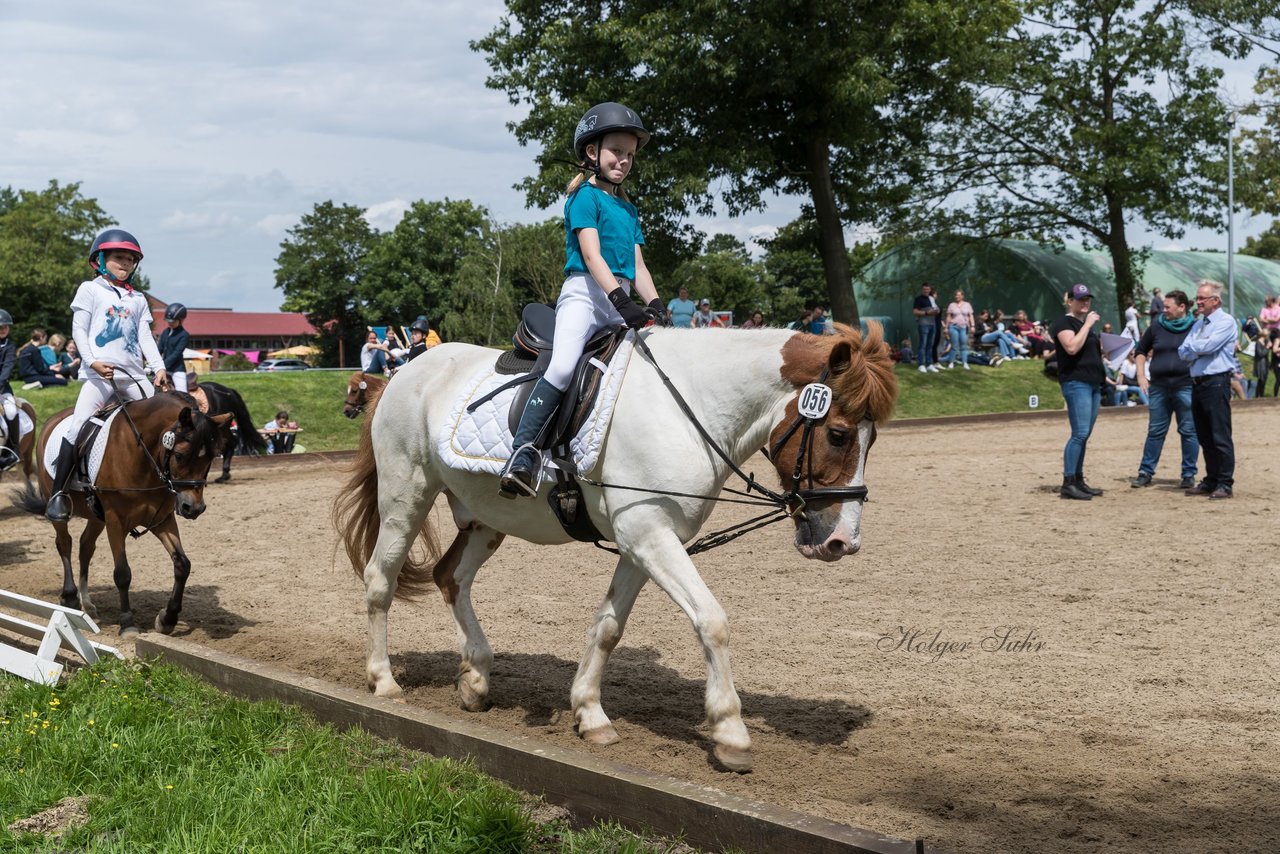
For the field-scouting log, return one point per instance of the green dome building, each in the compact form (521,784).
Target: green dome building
(1025,275)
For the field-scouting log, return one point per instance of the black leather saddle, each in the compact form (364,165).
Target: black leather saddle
(529,359)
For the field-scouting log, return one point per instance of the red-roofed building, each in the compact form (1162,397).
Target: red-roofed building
(241,331)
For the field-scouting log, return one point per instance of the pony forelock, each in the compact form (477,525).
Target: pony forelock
(868,388)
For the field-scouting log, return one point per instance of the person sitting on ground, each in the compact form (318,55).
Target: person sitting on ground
(70,360)
(375,356)
(905,353)
(1123,383)
(33,369)
(280,433)
(756,321)
(421,340)
(801,323)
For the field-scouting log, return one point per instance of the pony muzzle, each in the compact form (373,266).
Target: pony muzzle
(188,506)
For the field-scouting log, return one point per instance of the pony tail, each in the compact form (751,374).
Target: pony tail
(575,182)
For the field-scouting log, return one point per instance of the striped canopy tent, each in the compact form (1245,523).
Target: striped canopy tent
(1024,275)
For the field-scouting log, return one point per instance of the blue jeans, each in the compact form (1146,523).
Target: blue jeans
(1166,401)
(959,343)
(1001,342)
(1083,400)
(1121,397)
(927,333)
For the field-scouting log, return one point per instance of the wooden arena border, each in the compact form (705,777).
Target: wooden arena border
(591,789)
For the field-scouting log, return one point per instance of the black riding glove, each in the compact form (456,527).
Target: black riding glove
(658,312)
(632,314)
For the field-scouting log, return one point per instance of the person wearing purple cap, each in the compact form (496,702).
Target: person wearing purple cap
(1080,375)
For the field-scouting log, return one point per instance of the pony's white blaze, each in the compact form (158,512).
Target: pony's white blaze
(733,381)
(846,535)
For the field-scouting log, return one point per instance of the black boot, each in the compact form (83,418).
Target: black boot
(1071,489)
(59,507)
(1086,487)
(517,477)
(9,456)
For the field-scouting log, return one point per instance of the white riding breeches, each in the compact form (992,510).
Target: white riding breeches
(179,380)
(97,393)
(582,310)
(8,406)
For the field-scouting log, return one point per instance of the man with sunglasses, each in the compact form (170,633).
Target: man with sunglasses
(1210,350)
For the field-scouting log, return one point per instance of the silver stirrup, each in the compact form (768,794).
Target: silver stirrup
(535,476)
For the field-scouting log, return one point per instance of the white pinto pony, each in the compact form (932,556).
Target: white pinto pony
(743,386)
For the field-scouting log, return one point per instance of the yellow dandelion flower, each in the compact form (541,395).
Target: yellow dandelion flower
(54,703)
(168,787)
(90,721)
(44,725)
(114,745)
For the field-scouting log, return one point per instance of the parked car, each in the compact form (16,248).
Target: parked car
(282,365)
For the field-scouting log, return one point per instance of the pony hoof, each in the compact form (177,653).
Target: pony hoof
(602,736)
(470,700)
(223,479)
(130,631)
(389,688)
(162,628)
(735,759)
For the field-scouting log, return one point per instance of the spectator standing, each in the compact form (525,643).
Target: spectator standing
(1209,350)
(926,310)
(1168,389)
(960,324)
(1131,330)
(173,344)
(681,310)
(1156,308)
(1080,375)
(1261,362)
(1273,353)
(1270,315)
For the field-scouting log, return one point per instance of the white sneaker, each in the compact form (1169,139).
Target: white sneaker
(951,366)
(31,385)
(934,368)
(923,369)
(966,366)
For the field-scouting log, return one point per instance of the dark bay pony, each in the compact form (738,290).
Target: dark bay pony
(27,443)
(154,469)
(362,390)
(748,389)
(224,400)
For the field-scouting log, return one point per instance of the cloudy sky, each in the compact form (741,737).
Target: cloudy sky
(209,129)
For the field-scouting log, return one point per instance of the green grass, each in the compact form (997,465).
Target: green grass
(168,764)
(978,391)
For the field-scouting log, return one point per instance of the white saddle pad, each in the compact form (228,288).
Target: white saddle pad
(481,441)
(25,425)
(96,452)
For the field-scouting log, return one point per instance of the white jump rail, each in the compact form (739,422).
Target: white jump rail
(62,626)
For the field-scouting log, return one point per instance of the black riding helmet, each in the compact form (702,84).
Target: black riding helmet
(606,118)
(113,238)
(175,311)
(420,325)
(6,319)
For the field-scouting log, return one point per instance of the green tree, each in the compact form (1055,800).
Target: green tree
(1258,160)
(413,268)
(1265,245)
(827,99)
(321,268)
(1104,112)
(44,249)
(727,277)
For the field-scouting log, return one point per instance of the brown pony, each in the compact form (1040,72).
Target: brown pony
(362,390)
(154,469)
(27,443)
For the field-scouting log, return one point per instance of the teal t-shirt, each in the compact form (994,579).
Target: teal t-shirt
(682,312)
(615,220)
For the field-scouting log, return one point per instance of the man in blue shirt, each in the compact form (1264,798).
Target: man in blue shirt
(1210,348)
(681,309)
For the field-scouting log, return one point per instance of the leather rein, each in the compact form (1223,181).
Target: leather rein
(813,403)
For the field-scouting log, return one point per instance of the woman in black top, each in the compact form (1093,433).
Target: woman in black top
(1081,375)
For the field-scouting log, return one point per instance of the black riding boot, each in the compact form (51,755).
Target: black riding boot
(1092,490)
(517,477)
(1071,489)
(11,445)
(59,507)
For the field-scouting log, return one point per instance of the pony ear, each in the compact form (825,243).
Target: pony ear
(221,419)
(184,418)
(840,359)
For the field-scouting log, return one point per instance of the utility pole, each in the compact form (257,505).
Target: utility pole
(1231,215)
